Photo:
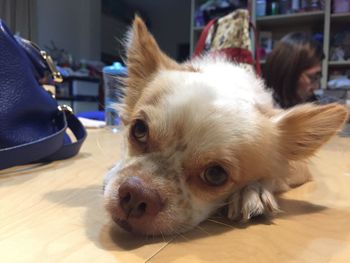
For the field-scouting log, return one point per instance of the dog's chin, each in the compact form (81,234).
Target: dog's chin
(151,226)
(150,231)
(141,206)
(124,224)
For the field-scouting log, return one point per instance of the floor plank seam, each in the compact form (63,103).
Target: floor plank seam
(159,250)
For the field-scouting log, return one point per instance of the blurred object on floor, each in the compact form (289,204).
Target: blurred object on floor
(87,123)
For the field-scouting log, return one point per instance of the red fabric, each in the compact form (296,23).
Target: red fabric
(239,55)
(235,54)
(257,49)
(201,42)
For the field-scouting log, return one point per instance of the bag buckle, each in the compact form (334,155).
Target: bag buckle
(57,77)
(65,108)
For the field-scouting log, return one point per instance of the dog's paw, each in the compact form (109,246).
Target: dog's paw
(253,200)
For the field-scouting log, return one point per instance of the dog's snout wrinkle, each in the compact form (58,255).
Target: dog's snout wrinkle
(124,224)
(136,200)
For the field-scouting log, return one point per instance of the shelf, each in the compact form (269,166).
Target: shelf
(340,15)
(198,28)
(342,18)
(82,78)
(293,19)
(342,89)
(339,63)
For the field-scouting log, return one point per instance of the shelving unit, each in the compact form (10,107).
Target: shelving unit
(315,21)
(339,63)
(345,17)
(295,19)
(80,93)
(194,30)
(310,22)
(323,21)
(198,28)
(338,22)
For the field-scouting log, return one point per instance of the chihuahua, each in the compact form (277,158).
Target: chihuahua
(204,135)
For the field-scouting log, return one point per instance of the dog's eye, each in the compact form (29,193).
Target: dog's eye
(215,176)
(140,131)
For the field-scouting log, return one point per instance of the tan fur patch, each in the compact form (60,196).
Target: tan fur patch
(145,59)
(208,113)
(305,128)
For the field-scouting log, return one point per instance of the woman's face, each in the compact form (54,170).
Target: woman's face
(309,81)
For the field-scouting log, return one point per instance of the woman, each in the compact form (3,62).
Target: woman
(293,69)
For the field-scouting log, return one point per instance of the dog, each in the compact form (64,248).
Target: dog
(204,135)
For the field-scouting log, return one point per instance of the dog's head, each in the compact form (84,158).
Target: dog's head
(196,133)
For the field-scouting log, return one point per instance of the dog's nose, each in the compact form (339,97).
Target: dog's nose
(137,200)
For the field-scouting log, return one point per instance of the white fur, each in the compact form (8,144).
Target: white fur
(203,114)
(220,92)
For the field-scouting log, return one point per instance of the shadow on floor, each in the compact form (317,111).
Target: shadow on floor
(111,237)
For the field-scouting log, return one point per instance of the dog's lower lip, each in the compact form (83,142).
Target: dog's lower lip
(124,224)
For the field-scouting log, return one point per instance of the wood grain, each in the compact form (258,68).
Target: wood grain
(54,213)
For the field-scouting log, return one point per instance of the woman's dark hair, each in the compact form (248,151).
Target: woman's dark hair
(294,53)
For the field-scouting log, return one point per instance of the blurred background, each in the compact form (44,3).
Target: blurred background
(84,36)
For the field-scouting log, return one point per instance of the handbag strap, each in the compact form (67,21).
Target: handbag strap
(47,149)
(201,42)
(69,149)
(257,50)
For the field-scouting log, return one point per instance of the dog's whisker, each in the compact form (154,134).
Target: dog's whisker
(219,223)
(217,215)
(186,226)
(225,203)
(180,235)
(202,229)
(105,155)
(177,231)
(161,232)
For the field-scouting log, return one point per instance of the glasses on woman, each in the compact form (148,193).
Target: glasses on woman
(313,78)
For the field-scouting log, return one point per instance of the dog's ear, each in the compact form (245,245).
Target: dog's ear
(303,129)
(144,59)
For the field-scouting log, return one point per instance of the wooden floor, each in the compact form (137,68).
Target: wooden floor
(54,213)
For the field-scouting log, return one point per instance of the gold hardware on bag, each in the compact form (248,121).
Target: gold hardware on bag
(66,108)
(57,77)
(51,89)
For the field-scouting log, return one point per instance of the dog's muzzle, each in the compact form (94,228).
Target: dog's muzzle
(139,204)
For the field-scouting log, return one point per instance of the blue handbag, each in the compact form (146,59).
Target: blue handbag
(32,125)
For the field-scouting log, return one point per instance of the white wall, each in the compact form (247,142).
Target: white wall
(170,21)
(112,33)
(74,25)
(170,24)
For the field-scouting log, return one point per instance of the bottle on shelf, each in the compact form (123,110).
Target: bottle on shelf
(260,7)
(295,6)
